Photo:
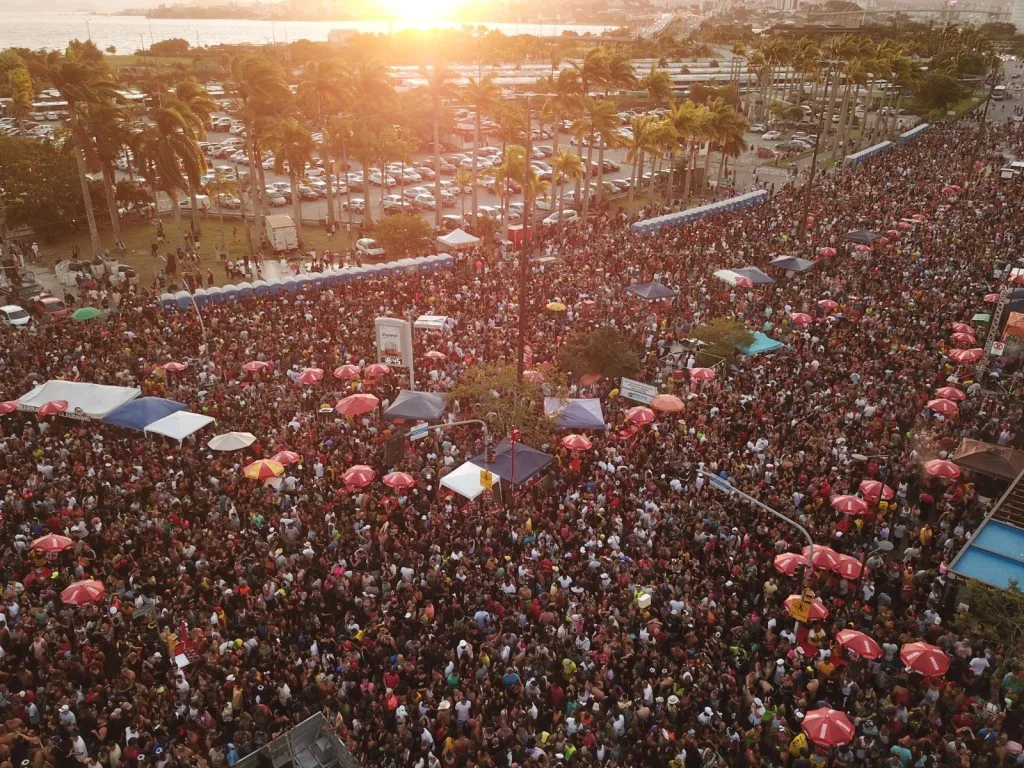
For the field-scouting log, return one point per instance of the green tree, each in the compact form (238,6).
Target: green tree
(22,92)
(404,235)
(658,85)
(722,335)
(108,130)
(483,95)
(491,392)
(175,46)
(603,350)
(439,88)
(39,185)
(937,91)
(995,616)
(292,145)
(565,166)
(324,87)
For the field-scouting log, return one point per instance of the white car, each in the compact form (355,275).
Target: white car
(771,136)
(567,217)
(426,202)
(12,314)
(356,205)
(369,247)
(758,128)
(377,179)
(413,192)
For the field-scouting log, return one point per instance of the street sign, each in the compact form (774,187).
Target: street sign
(637,391)
(800,610)
(486,479)
(720,483)
(419,431)
(998,348)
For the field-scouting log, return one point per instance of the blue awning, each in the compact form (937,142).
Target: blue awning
(693,214)
(759,345)
(143,411)
(528,461)
(652,291)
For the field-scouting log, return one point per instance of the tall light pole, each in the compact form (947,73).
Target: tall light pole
(524,253)
(802,224)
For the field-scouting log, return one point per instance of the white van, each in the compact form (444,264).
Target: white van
(202,203)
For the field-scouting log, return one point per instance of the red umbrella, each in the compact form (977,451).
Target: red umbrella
(964,338)
(356,405)
(83,592)
(377,369)
(950,393)
(893,233)
(849,567)
(742,281)
(702,374)
(667,403)
(943,406)
(849,505)
(928,660)
(255,366)
(346,372)
(873,490)
(399,480)
(818,610)
(358,476)
(828,304)
(9,407)
(534,377)
(52,407)
(800,318)
(949,190)
(942,468)
(52,543)
(286,457)
(174,367)
(827,252)
(828,727)
(263,469)
(577,443)
(972,355)
(435,355)
(789,563)
(859,643)
(904,225)
(861,248)
(962,328)
(918,217)
(824,557)
(309,375)
(991,298)
(882,242)
(640,415)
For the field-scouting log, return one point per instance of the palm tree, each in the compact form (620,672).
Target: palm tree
(644,140)
(81,84)
(108,130)
(689,123)
(856,76)
(262,89)
(292,145)
(604,121)
(562,103)
(732,131)
(220,185)
(483,95)
(337,136)
(22,92)
(322,90)
(439,89)
(592,71)
(618,71)
(195,125)
(564,166)
(664,137)
(658,85)
(463,178)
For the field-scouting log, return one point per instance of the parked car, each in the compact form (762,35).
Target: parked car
(355,181)
(411,193)
(489,212)
(225,200)
(48,307)
(355,204)
(566,217)
(611,166)
(378,179)
(395,204)
(275,198)
(12,314)
(308,193)
(367,246)
(759,128)
(767,153)
(425,173)
(771,135)
(426,202)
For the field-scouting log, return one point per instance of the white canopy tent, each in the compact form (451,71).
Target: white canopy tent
(85,401)
(433,323)
(465,481)
(179,425)
(458,239)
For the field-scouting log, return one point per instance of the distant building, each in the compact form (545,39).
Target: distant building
(340,36)
(1017,15)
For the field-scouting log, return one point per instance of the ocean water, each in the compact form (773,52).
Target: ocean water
(128,33)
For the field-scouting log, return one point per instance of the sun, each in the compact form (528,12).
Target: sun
(420,10)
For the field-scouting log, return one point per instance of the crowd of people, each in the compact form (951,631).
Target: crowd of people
(622,612)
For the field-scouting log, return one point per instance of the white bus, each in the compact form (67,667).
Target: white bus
(999,93)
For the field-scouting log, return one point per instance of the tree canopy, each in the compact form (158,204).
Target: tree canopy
(603,350)
(404,235)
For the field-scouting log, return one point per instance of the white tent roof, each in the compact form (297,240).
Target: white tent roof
(433,322)
(179,425)
(458,239)
(85,401)
(465,481)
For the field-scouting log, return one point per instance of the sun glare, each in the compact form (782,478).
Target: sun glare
(420,10)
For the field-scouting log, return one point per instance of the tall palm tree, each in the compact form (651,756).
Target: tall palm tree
(658,85)
(856,76)
(107,127)
(221,185)
(664,137)
(562,103)
(618,71)
(643,141)
(22,92)
(440,88)
(565,165)
(337,140)
(292,145)
(195,123)
(81,84)
(464,178)
(592,71)
(732,132)
(604,121)
(689,122)
(482,93)
(323,88)
(262,89)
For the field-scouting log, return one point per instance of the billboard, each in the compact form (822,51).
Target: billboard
(394,342)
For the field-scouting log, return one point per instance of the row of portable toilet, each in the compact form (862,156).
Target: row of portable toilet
(314,280)
(689,215)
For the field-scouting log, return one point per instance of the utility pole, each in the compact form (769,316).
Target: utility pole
(524,253)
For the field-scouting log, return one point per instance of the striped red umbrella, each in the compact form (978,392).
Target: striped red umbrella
(828,727)
(255,366)
(309,375)
(849,505)
(943,406)
(964,338)
(800,318)
(702,374)
(789,563)
(356,405)
(942,468)
(991,298)
(824,557)
(827,251)
(435,355)
(577,443)
(347,371)
(849,567)
(358,476)
(174,367)
(924,658)
(53,407)
(9,407)
(873,490)
(972,355)
(950,393)
(52,543)
(640,415)
(667,403)
(399,480)
(818,610)
(377,369)
(83,592)
(962,328)
(286,457)
(828,304)
(861,248)
(893,233)
(859,643)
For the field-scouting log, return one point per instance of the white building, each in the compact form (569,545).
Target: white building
(1017,15)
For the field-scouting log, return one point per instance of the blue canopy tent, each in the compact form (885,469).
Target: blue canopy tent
(912,134)
(245,290)
(575,413)
(791,264)
(689,215)
(422,406)
(529,461)
(755,275)
(759,345)
(215,294)
(862,236)
(260,287)
(141,412)
(652,291)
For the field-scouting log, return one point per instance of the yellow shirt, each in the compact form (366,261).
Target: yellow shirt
(798,743)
